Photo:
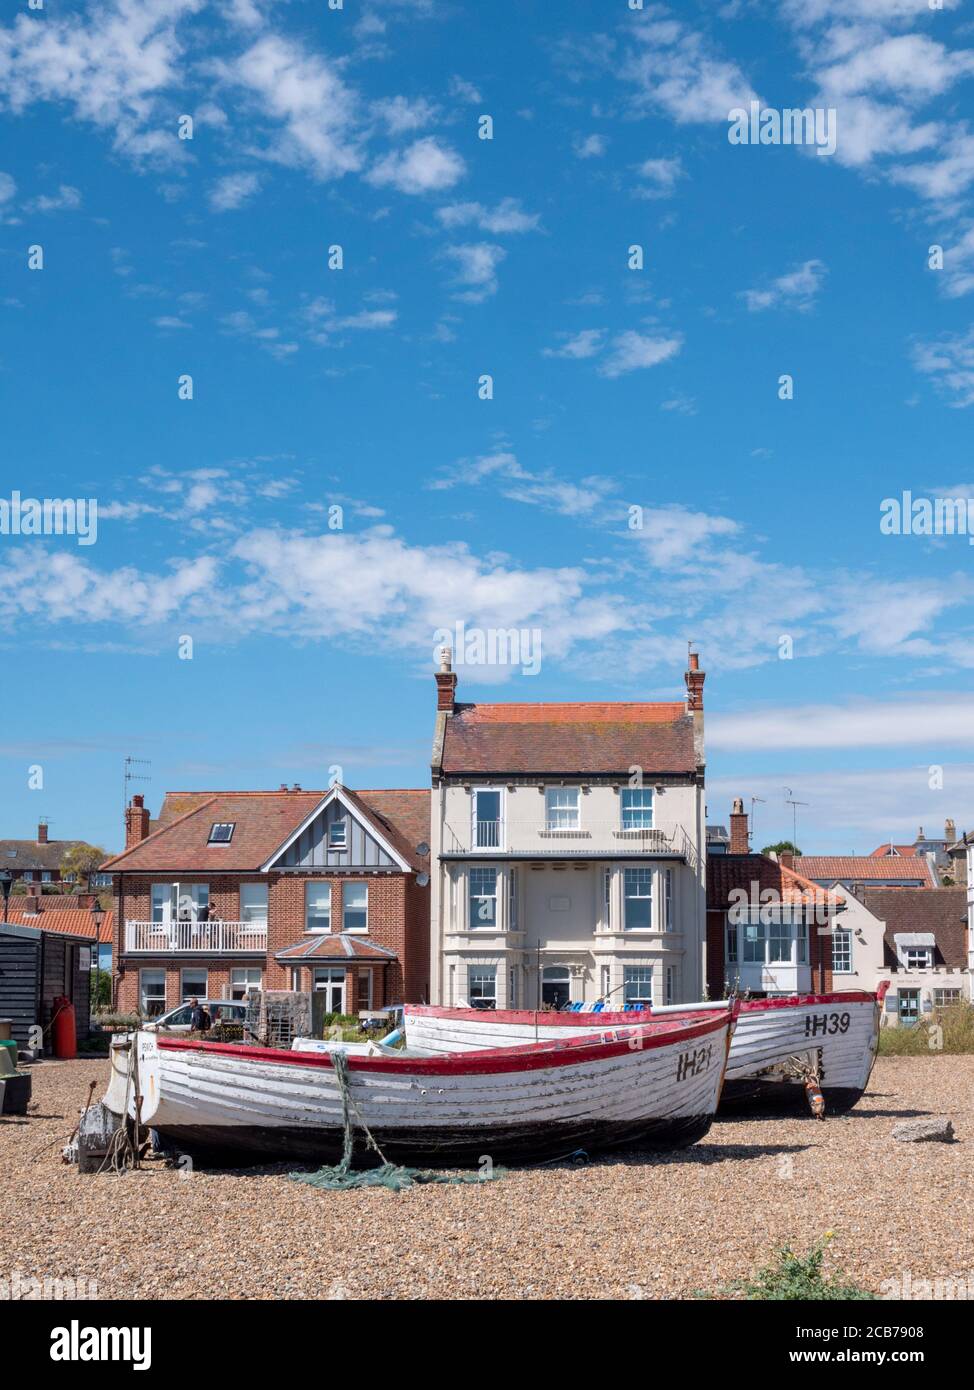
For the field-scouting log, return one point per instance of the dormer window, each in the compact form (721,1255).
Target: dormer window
(221,832)
(338,834)
(918,958)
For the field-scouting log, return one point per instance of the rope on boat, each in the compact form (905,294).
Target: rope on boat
(343,1177)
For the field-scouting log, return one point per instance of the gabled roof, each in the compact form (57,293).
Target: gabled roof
(866,867)
(17,855)
(891,851)
(911,910)
(595,738)
(263,822)
(335,946)
(68,921)
(727,872)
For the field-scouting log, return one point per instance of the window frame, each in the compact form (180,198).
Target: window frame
(354,907)
(574,810)
(842,938)
(323,885)
(143,972)
(487,972)
(638,873)
(253,921)
(333,827)
(640,997)
(637,811)
(484,924)
(203,973)
(214,839)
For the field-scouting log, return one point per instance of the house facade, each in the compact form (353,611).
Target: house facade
(770,931)
(291,889)
(36,861)
(922,938)
(568,851)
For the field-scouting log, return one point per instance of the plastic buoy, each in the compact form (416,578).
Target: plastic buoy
(64,1038)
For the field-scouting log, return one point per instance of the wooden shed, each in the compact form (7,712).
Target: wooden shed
(37,966)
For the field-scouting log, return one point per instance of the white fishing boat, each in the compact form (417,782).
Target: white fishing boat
(655,1085)
(778,1044)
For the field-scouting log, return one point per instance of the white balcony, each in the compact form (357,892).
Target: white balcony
(541,839)
(214,938)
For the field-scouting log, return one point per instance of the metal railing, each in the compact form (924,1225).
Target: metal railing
(553,839)
(214,937)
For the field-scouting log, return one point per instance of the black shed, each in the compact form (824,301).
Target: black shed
(35,967)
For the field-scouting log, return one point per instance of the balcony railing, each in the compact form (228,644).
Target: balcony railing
(211,938)
(552,839)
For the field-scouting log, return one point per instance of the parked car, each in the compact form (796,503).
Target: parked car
(220,1011)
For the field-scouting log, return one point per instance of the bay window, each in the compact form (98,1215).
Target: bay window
(482,986)
(638,899)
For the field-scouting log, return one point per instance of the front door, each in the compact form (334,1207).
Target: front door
(556,986)
(908,1001)
(331,980)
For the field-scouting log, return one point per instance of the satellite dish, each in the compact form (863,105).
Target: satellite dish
(422,880)
(422,847)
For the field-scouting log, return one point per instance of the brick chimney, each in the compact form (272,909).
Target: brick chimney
(42,832)
(787,861)
(738,828)
(32,903)
(950,832)
(446,682)
(694,680)
(136,822)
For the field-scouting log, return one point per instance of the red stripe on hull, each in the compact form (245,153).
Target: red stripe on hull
(563,1052)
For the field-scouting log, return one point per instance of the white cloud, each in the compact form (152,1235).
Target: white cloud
(167,321)
(325,321)
(232,191)
(795,290)
(66,199)
(545,489)
(950,362)
(400,115)
(586,343)
(630,351)
(943,720)
(675,70)
(475,269)
(506,216)
(590,146)
(318,114)
(111,66)
(660,177)
(425,166)
(7,188)
(463,90)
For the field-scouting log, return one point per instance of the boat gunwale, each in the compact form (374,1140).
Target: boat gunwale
(558,1018)
(548,1053)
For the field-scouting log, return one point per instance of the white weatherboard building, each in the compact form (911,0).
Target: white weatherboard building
(568,851)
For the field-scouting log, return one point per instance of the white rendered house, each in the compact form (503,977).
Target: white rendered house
(568,851)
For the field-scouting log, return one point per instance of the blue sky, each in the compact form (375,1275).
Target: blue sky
(358,388)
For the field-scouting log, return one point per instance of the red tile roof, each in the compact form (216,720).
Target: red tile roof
(569,738)
(335,946)
(70,921)
(727,872)
(865,867)
(263,821)
(904,851)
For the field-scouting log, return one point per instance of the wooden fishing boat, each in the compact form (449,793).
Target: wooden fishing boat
(655,1085)
(777,1044)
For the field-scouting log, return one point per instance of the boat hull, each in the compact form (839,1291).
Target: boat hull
(835,1035)
(652,1087)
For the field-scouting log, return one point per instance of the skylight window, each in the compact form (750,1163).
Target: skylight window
(221,832)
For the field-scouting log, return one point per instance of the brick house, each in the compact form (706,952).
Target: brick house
(282,890)
(770,930)
(569,850)
(36,861)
